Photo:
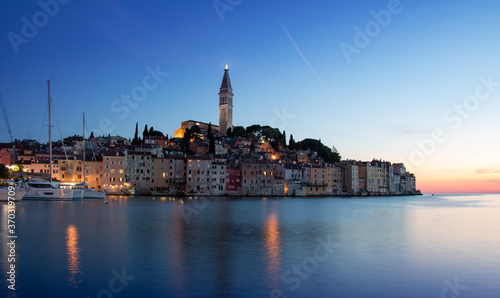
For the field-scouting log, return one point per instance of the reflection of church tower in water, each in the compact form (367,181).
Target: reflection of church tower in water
(225,104)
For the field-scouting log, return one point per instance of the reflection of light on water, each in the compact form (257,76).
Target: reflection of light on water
(178,258)
(273,249)
(73,252)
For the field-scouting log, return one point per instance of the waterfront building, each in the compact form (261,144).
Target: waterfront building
(316,179)
(159,175)
(370,175)
(233,180)
(138,165)
(294,183)
(262,177)
(113,173)
(93,174)
(337,178)
(351,178)
(198,175)
(176,174)
(70,170)
(218,176)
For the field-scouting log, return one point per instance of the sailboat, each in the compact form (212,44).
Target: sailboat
(89,193)
(44,190)
(86,193)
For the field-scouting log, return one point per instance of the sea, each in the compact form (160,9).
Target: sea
(443,245)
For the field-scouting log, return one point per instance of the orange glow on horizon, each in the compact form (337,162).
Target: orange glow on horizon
(458,186)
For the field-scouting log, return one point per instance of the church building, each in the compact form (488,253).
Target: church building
(225,111)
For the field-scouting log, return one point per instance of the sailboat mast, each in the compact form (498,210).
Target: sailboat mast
(50,135)
(84,148)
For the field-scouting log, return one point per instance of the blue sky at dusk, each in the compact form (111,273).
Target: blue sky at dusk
(287,70)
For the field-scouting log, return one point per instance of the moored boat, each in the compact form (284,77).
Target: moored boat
(45,191)
(12,194)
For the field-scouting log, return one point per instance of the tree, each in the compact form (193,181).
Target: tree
(191,134)
(211,144)
(291,143)
(91,135)
(255,132)
(135,140)
(323,151)
(229,132)
(145,133)
(151,130)
(284,139)
(239,131)
(4,172)
(252,146)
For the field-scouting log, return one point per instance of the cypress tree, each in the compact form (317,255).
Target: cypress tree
(211,144)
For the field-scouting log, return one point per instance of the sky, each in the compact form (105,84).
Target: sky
(406,81)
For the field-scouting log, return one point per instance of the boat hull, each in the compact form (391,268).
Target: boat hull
(11,195)
(49,195)
(92,194)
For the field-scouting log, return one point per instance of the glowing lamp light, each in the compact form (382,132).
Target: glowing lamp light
(226,67)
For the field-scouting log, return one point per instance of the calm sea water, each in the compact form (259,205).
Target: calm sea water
(423,246)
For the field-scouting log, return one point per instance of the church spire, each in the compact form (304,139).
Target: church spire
(225,103)
(226,82)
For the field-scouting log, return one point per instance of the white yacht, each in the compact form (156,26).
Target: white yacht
(44,190)
(82,192)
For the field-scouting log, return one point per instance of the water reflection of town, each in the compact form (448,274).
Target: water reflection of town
(73,253)
(224,237)
(273,248)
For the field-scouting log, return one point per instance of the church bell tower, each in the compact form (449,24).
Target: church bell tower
(225,104)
